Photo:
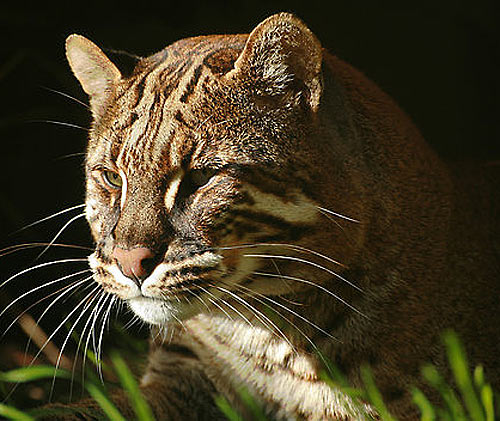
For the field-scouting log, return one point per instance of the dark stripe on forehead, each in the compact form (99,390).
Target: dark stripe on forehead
(191,84)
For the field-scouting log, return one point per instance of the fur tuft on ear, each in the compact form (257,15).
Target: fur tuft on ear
(95,72)
(280,53)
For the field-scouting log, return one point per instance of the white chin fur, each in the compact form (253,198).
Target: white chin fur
(156,312)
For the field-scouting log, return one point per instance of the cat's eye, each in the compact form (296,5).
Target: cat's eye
(200,177)
(194,180)
(112,179)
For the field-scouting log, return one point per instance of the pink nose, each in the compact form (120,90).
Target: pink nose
(135,263)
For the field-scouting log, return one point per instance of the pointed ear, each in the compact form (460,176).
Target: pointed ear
(95,72)
(282,55)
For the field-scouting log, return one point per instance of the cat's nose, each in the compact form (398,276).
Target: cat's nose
(136,263)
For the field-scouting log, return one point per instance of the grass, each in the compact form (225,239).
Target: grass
(471,397)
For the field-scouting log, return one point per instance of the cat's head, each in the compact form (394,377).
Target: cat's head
(205,153)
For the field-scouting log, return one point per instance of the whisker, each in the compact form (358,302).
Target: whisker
(214,302)
(338,215)
(19,317)
(239,313)
(285,245)
(321,287)
(301,332)
(199,299)
(59,327)
(26,246)
(97,308)
(267,322)
(307,262)
(66,225)
(61,351)
(104,322)
(265,297)
(73,286)
(60,123)
(41,265)
(49,217)
(40,287)
(67,96)
(70,155)
(80,341)
(45,345)
(95,340)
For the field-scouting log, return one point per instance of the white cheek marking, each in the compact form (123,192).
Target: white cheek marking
(172,190)
(124,188)
(300,210)
(91,208)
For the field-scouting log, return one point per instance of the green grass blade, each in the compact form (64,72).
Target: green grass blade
(36,372)
(104,402)
(460,368)
(487,400)
(227,409)
(432,376)
(426,409)
(11,413)
(128,382)
(254,407)
(374,395)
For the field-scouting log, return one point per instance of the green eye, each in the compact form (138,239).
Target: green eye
(112,179)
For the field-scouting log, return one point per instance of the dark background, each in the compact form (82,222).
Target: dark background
(439,60)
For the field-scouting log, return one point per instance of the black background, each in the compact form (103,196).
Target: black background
(439,60)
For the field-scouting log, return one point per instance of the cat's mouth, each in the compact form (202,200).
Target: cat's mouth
(166,294)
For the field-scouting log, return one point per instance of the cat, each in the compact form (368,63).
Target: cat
(268,208)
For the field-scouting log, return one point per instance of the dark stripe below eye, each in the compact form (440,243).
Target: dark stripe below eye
(274,221)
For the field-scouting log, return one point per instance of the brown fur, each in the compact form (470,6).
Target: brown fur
(284,128)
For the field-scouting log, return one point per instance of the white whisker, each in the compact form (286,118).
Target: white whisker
(284,245)
(293,325)
(70,331)
(41,265)
(307,262)
(266,322)
(66,225)
(101,295)
(338,215)
(67,96)
(26,246)
(54,215)
(61,123)
(214,302)
(239,313)
(58,328)
(40,287)
(265,297)
(305,281)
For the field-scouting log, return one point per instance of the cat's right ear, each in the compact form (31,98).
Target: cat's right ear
(95,72)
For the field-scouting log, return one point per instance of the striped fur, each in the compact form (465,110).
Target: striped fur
(296,212)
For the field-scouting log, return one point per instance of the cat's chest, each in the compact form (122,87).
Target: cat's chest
(283,379)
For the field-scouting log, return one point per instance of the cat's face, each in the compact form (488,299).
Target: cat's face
(194,162)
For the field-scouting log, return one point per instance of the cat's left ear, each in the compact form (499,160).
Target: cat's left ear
(282,54)
(95,72)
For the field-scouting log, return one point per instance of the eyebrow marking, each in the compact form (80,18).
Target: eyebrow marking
(123,197)
(172,189)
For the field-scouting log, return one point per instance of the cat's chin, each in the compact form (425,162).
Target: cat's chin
(155,311)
